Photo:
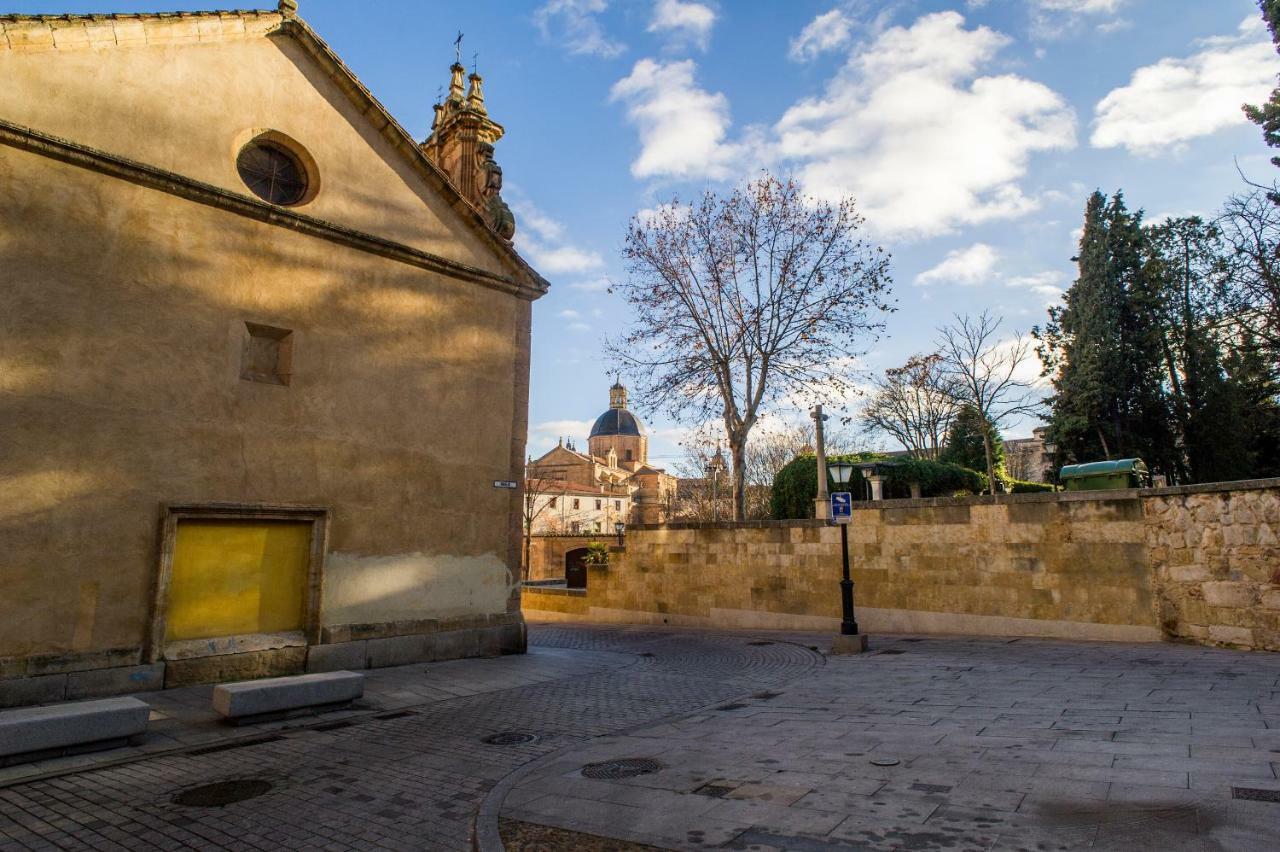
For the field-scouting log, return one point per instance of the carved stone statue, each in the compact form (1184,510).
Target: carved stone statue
(500,217)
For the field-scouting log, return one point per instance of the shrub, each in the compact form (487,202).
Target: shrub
(597,553)
(1019,486)
(796,485)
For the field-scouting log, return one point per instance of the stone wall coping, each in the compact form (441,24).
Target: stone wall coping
(986,500)
(585,536)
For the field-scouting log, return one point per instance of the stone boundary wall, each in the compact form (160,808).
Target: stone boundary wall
(1198,563)
(547,552)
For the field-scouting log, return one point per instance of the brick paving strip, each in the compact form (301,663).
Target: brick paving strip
(999,745)
(407,771)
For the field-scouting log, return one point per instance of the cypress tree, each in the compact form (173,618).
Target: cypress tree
(1103,350)
(1267,116)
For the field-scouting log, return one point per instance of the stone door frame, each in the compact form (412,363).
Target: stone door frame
(173,514)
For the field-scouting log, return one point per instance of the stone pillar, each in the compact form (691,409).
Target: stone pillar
(822,503)
(877,487)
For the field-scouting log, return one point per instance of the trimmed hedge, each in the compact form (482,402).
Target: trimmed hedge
(1019,486)
(796,486)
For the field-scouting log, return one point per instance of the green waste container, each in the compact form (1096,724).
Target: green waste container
(1104,475)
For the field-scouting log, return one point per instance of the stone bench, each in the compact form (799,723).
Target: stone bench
(32,733)
(279,696)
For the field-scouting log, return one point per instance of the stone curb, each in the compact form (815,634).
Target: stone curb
(486,836)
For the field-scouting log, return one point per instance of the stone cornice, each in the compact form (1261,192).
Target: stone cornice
(141,174)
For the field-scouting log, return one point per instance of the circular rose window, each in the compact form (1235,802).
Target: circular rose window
(272,172)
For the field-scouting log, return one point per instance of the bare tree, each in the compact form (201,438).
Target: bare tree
(915,404)
(1250,225)
(983,371)
(535,488)
(743,300)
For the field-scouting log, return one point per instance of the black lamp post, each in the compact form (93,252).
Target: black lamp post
(618,527)
(840,473)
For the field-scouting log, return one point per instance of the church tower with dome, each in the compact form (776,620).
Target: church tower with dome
(613,476)
(619,431)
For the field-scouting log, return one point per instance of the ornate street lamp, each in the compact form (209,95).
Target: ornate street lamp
(618,527)
(849,641)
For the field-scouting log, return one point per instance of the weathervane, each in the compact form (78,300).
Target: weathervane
(457,48)
(475,62)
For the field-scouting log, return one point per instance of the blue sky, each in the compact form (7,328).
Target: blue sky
(970,132)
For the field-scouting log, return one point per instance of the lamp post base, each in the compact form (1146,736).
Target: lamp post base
(855,644)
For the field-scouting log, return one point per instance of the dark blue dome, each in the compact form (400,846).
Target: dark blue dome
(616,421)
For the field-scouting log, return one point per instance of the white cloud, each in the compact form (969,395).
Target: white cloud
(972,265)
(685,20)
(591,285)
(923,141)
(541,239)
(570,313)
(682,127)
(1176,100)
(1079,7)
(543,436)
(574,24)
(828,31)
(1048,283)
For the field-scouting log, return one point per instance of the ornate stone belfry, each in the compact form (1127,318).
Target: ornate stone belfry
(461,144)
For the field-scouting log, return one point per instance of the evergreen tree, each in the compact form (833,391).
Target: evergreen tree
(1254,381)
(1186,273)
(1267,116)
(964,442)
(1103,349)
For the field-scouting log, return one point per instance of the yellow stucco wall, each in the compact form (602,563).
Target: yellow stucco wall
(122,319)
(233,577)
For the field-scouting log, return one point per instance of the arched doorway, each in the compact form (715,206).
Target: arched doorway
(575,568)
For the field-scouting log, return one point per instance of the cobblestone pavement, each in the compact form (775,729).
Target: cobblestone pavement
(760,744)
(379,777)
(947,743)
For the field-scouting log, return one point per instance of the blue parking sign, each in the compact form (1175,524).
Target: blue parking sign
(842,507)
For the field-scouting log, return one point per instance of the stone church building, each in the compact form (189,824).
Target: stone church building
(243,314)
(612,481)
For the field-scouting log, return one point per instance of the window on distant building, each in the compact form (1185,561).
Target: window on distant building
(617,505)
(552,504)
(628,455)
(597,505)
(576,504)
(575,527)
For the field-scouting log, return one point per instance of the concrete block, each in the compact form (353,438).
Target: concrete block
(278,694)
(1231,635)
(36,729)
(1229,594)
(849,644)
(32,690)
(455,645)
(332,658)
(115,681)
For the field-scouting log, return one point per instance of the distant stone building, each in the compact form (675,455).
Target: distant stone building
(612,481)
(245,315)
(1029,459)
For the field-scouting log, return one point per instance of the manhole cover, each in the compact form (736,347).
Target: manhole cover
(511,738)
(626,768)
(885,761)
(222,793)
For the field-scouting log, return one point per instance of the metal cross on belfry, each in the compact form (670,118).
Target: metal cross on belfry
(475,62)
(457,48)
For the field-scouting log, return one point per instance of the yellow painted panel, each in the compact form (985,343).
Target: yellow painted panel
(235,577)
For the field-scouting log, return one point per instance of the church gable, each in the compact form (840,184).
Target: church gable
(190,94)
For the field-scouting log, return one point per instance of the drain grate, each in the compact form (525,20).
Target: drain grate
(237,744)
(396,714)
(893,651)
(760,642)
(507,738)
(222,793)
(630,767)
(715,791)
(734,706)
(931,788)
(1255,794)
(766,696)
